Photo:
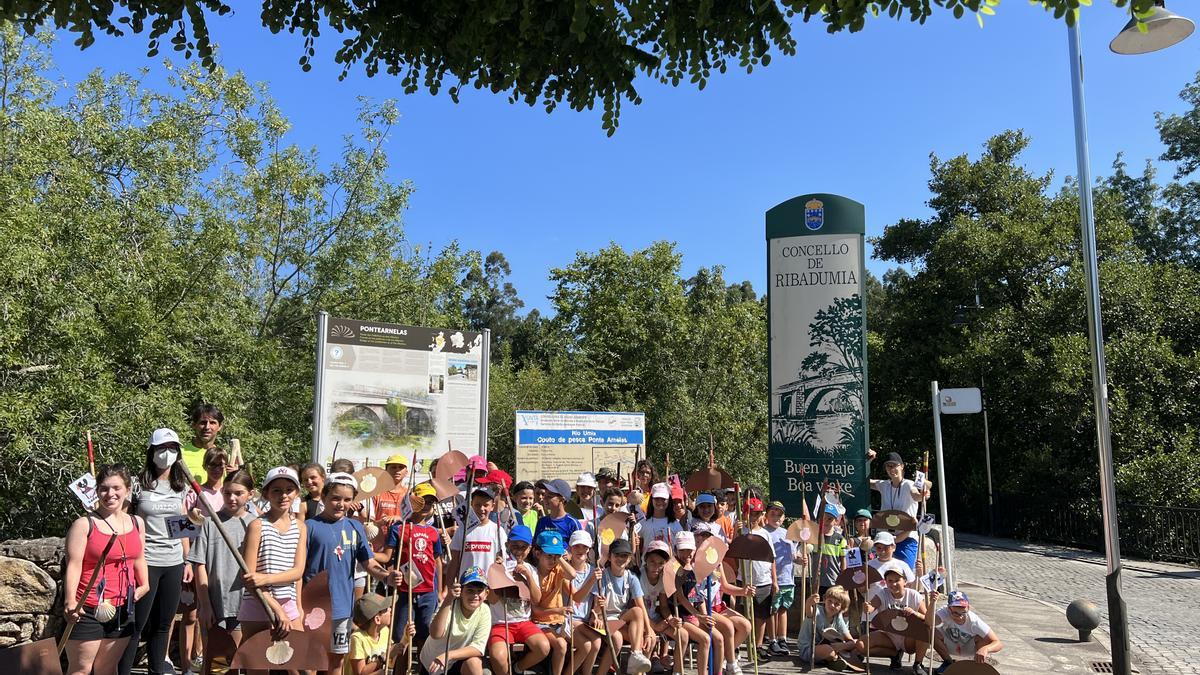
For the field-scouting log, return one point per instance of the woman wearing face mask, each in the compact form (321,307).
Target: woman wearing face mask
(159,496)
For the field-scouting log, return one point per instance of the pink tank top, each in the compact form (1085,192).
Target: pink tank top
(117,577)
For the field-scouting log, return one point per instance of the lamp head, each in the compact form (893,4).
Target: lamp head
(1163,29)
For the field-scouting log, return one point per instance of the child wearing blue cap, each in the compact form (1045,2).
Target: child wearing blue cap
(511,616)
(460,628)
(549,613)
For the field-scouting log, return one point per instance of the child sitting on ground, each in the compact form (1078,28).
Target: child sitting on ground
(961,634)
(833,640)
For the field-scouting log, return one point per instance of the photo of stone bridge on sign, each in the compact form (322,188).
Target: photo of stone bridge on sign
(377,413)
(823,408)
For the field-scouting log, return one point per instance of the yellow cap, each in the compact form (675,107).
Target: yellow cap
(397,459)
(424,490)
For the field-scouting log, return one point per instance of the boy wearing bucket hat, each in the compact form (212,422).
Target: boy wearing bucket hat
(961,634)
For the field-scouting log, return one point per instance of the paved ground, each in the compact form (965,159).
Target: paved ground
(1160,598)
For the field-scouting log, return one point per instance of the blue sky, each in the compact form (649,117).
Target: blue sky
(853,114)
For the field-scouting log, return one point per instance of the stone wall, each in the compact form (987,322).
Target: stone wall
(30,601)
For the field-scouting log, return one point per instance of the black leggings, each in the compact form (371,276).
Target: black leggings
(155,611)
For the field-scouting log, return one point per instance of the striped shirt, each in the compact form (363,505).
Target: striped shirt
(277,553)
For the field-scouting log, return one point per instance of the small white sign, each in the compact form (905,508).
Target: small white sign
(853,558)
(933,580)
(181,527)
(960,401)
(919,481)
(84,489)
(926,523)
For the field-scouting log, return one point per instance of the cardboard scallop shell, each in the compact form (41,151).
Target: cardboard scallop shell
(750,547)
(893,521)
(372,481)
(306,646)
(895,622)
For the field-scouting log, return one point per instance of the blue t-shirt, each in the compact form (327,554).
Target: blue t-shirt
(785,555)
(335,547)
(566,526)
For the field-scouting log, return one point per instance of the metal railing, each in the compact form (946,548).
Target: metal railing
(1165,533)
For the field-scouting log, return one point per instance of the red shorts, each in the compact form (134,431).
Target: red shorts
(514,632)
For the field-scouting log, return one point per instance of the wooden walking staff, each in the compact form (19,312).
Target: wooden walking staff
(276,621)
(921,556)
(816,568)
(462,550)
(91,454)
(87,590)
(746,565)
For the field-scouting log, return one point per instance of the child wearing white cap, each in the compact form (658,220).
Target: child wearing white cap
(585,497)
(660,524)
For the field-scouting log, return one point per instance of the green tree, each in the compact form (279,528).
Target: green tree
(540,53)
(1001,229)
(162,247)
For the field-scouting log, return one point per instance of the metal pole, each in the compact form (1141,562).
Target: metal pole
(484,368)
(987,456)
(947,540)
(319,385)
(1118,624)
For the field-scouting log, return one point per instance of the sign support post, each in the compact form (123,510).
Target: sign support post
(485,367)
(319,385)
(947,539)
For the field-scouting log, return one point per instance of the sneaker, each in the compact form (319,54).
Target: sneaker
(764,654)
(919,669)
(732,668)
(638,662)
(942,668)
(783,643)
(658,667)
(776,649)
(895,664)
(197,664)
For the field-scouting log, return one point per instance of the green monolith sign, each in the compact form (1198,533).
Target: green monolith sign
(818,349)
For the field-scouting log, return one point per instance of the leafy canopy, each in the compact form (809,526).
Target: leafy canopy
(543,53)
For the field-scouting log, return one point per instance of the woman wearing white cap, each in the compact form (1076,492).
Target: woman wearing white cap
(158,496)
(585,497)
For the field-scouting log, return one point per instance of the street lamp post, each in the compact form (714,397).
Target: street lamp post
(1162,29)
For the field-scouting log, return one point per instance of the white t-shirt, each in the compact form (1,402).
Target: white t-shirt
(899,498)
(581,610)
(518,609)
(909,575)
(960,638)
(480,550)
(660,529)
(760,572)
(881,599)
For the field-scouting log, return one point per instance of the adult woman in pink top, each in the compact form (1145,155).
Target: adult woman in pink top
(105,618)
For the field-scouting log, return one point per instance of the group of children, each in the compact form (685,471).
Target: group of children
(560,597)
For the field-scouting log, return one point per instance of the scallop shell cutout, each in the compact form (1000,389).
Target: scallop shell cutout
(892,520)
(105,612)
(280,652)
(607,537)
(372,530)
(859,578)
(314,619)
(367,484)
(900,623)
(805,533)
(711,557)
